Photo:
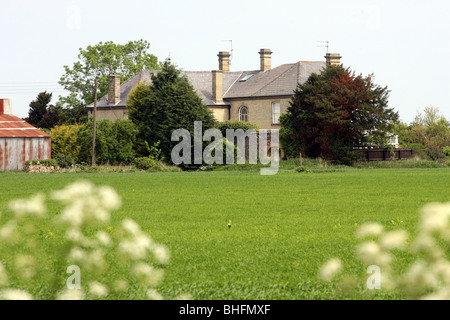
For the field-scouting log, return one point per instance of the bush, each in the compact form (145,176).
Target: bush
(114,142)
(235,125)
(146,163)
(64,160)
(435,154)
(64,140)
(446,151)
(303,169)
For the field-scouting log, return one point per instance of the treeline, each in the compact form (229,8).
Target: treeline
(428,134)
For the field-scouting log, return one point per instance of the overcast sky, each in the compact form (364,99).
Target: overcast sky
(405,44)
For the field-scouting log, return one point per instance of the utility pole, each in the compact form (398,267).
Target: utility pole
(95,122)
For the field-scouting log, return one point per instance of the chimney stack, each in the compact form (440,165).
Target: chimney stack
(217,86)
(333,59)
(113,89)
(265,59)
(5,106)
(224,61)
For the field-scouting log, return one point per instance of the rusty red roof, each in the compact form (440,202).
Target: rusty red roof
(14,127)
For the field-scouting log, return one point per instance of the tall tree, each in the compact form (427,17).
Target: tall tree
(99,61)
(38,108)
(169,103)
(334,111)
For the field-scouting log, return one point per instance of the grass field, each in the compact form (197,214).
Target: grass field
(284,227)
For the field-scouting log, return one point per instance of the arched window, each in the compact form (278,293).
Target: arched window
(243,114)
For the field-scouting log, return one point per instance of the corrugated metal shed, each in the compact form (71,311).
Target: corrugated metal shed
(20,141)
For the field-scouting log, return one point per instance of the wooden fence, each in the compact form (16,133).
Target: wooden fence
(379,154)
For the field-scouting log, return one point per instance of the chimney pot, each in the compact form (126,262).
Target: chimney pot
(5,106)
(224,61)
(333,59)
(113,89)
(265,59)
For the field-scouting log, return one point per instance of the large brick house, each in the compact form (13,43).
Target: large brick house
(256,96)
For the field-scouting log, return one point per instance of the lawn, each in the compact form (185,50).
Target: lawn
(283,227)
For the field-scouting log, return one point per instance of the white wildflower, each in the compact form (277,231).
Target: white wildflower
(71,192)
(15,294)
(435,217)
(147,274)
(152,294)
(443,294)
(70,295)
(369,229)
(394,240)
(423,243)
(330,269)
(121,285)
(442,268)
(131,226)
(77,254)
(103,238)
(34,205)
(109,198)
(161,253)
(371,254)
(136,248)
(3,276)
(7,231)
(73,214)
(98,290)
(25,264)
(74,235)
(420,276)
(184,296)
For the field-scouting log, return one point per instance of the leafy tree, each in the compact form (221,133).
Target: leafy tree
(429,132)
(38,108)
(169,103)
(64,140)
(58,115)
(99,61)
(334,111)
(114,141)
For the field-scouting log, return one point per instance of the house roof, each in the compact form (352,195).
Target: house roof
(279,81)
(14,127)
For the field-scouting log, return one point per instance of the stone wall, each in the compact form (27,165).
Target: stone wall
(259,110)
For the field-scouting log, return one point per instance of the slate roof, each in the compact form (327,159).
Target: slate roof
(279,81)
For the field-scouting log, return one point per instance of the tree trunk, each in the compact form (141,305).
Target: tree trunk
(95,123)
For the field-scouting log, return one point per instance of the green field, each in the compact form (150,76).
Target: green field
(284,227)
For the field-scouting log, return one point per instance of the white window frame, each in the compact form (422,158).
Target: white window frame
(276,113)
(243,117)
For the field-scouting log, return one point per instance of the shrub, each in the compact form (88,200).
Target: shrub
(114,142)
(64,140)
(146,163)
(303,169)
(235,125)
(446,151)
(64,160)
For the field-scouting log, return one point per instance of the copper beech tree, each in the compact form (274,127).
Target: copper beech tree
(334,111)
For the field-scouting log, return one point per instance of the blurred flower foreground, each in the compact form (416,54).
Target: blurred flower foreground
(424,271)
(76,254)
